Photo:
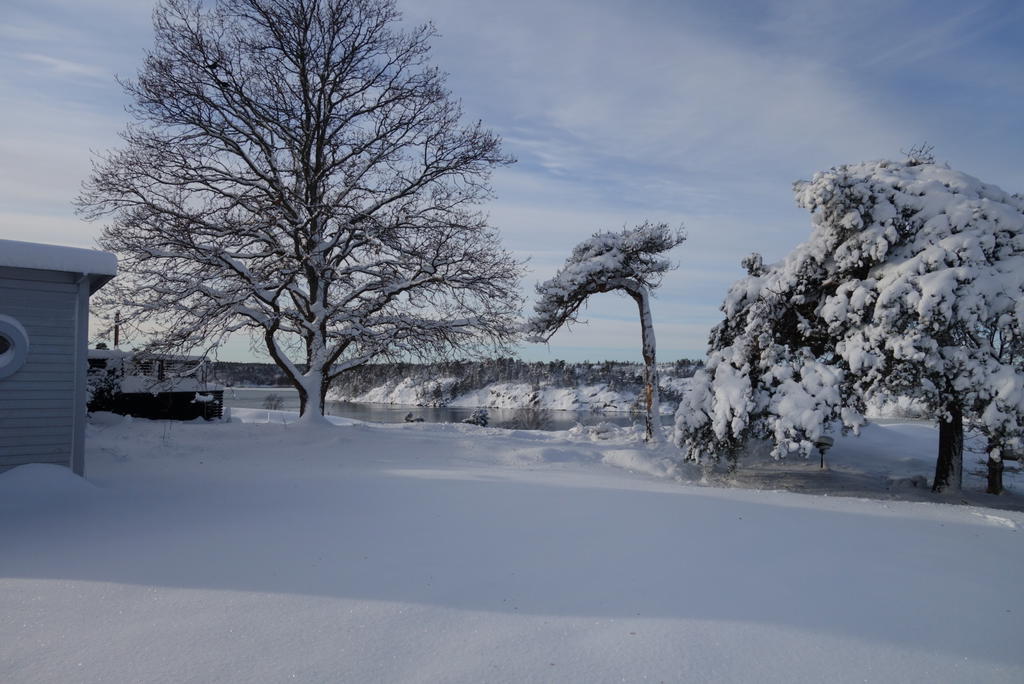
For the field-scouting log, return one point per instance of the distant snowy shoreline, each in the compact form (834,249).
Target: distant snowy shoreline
(595,398)
(506,395)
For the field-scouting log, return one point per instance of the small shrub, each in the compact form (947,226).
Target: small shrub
(532,419)
(479,417)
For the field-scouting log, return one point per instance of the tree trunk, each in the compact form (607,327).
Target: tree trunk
(995,476)
(652,417)
(303,399)
(312,394)
(949,464)
(325,385)
(312,384)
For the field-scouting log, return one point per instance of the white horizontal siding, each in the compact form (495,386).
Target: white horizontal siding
(54,313)
(9,453)
(37,403)
(42,434)
(33,420)
(35,392)
(12,287)
(40,372)
(55,382)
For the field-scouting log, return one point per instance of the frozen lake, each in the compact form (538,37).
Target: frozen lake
(257,397)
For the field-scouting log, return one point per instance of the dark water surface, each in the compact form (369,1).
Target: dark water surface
(257,397)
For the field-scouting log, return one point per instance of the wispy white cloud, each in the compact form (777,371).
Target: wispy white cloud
(595,81)
(700,114)
(64,67)
(35,31)
(46,145)
(679,111)
(892,34)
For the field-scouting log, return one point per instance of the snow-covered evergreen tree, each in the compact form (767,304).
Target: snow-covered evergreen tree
(298,171)
(912,283)
(632,261)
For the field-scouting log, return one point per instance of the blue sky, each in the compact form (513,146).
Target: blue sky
(695,113)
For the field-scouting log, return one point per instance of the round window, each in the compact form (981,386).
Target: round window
(13,346)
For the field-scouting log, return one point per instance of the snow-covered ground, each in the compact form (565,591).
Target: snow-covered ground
(259,552)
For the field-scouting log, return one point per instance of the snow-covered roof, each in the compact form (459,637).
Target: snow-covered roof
(17,254)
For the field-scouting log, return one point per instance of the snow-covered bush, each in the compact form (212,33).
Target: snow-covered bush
(102,384)
(273,401)
(606,431)
(911,284)
(633,262)
(479,417)
(532,419)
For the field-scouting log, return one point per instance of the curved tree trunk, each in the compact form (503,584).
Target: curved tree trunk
(949,464)
(652,418)
(312,387)
(311,384)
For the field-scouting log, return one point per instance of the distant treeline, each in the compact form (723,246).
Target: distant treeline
(471,375)
(234,374)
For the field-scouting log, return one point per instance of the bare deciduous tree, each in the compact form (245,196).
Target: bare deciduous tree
(296,169)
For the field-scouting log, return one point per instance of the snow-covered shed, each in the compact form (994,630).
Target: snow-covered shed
(44,328)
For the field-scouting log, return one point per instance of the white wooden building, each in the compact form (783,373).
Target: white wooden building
(44,328)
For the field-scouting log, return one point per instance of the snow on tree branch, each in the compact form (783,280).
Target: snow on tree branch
(911,283)
(632,261)
(299,171)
